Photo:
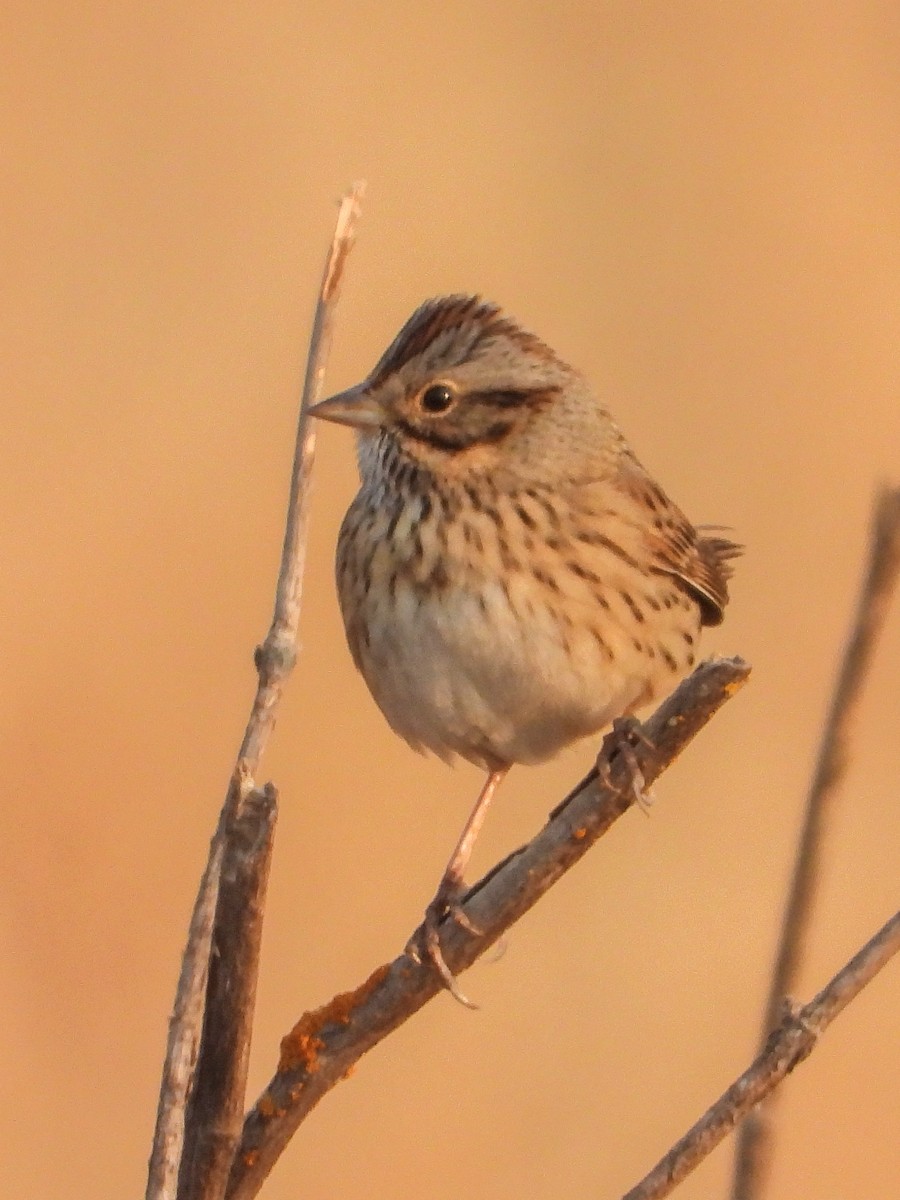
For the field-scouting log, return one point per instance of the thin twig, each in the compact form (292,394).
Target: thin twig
(754,1144)
(787,1045)
(274,661)
(326,1043)
(275,657)
(216,1104)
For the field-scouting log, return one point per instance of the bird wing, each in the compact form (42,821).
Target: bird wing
(701,563)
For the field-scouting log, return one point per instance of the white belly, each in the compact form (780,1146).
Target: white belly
(458,676)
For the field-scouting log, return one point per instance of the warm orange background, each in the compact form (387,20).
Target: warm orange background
(698,203)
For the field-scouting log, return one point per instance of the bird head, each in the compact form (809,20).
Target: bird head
(463,389)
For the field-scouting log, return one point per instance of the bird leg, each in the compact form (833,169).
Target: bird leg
(620,741)
(426,945)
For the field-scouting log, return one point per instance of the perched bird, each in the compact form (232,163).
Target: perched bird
(510,577)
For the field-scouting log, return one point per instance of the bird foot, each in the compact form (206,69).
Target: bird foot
(620,742)
(425,944)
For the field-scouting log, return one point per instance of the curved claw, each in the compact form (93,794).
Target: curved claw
(622,738)
(426,942)
(425,946)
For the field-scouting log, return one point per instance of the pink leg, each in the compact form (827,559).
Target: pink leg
(453,872)
(446,899)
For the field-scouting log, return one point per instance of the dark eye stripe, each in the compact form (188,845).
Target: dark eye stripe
(513,398)
(445,437)
(450,440)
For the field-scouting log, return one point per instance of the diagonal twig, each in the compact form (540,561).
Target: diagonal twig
(788,1043)
(274,660)
(326,1043)
(275,657)
(753,1150)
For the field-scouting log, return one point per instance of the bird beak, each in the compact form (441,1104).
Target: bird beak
(355,407)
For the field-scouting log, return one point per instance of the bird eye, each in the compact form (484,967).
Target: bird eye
(437,398)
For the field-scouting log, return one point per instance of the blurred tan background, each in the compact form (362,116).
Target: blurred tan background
(697,203)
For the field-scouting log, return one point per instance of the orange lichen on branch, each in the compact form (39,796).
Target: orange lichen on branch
(342,1007)
(300,1048)
(266,1106)
(735,685)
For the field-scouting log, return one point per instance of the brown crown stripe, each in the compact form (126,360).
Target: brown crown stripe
(445,313)
(427,322)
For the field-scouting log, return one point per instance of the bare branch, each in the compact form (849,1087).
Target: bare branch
(325,1043)
(274,661)
(185,1026)
(275,657)
(216,1104)
(753,1151)
(787,1045)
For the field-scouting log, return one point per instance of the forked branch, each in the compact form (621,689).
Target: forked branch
(753,1151)
(792,1039)
(326,1043)
(215,916)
